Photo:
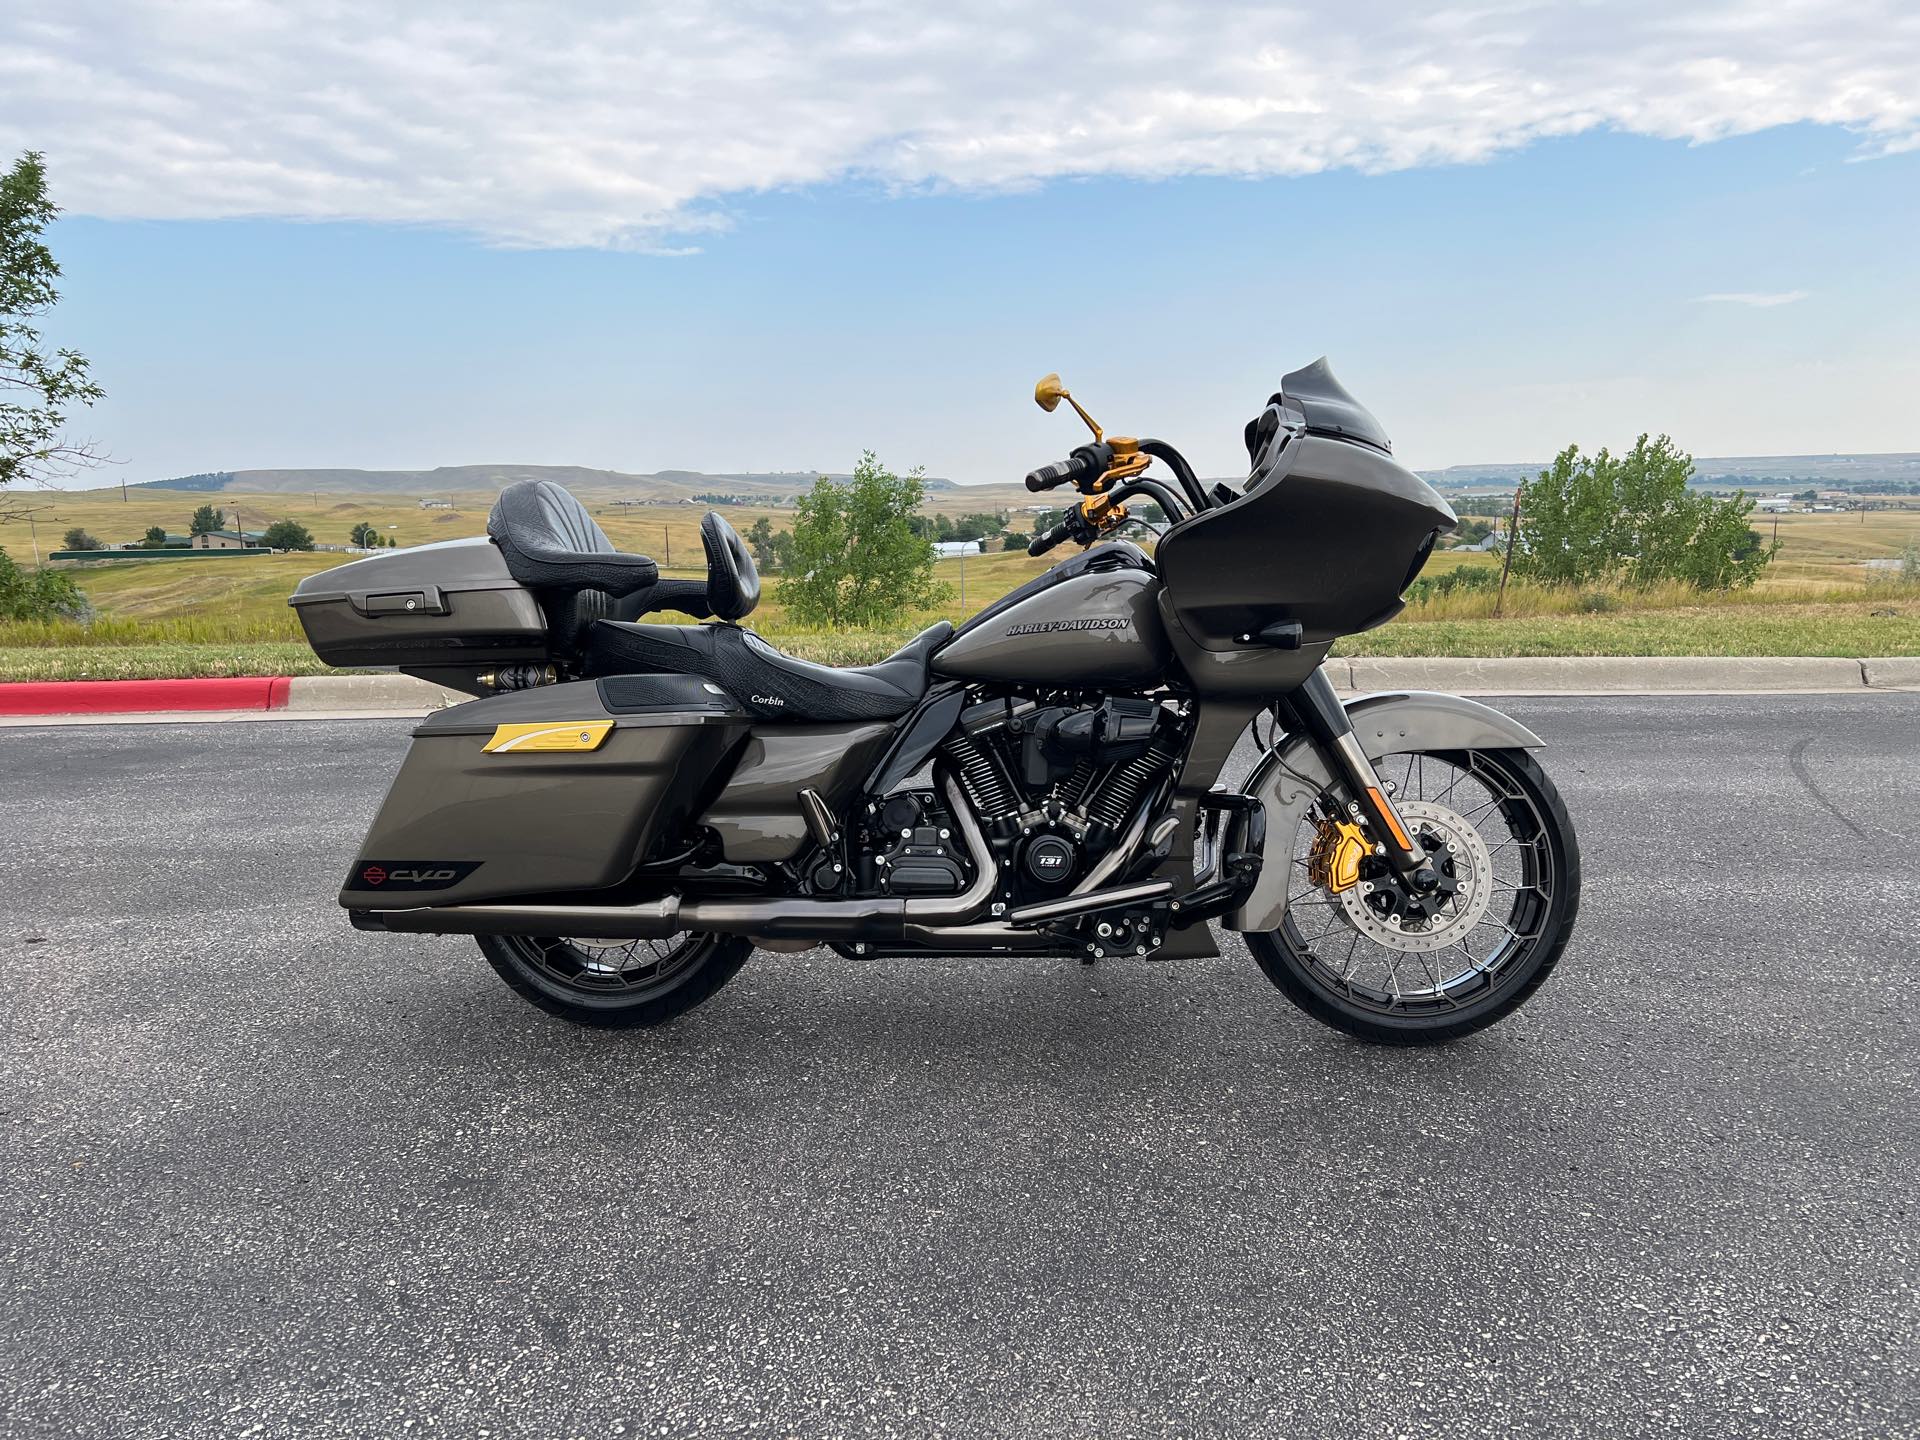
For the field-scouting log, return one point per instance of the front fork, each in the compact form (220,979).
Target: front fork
(1316,712)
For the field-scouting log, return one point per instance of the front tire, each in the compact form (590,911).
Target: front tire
(616,984)
(1388,996)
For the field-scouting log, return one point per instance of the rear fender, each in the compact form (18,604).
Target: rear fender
(1288,780)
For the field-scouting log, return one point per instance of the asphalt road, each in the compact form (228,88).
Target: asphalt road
(264,1175)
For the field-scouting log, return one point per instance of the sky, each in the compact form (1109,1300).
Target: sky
(749,236)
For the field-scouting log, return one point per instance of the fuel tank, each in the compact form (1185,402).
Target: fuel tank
(1094,620)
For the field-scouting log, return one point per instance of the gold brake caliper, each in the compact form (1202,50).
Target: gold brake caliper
(1334,861)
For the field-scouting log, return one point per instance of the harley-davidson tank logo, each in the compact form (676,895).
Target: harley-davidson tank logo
(1090,622)
(411,874)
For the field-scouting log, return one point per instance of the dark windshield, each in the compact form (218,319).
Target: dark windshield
(1329,409)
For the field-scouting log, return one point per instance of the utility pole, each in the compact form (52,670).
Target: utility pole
(33,528)
(1513,531)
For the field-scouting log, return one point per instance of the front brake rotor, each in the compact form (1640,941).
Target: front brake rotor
(1457,851)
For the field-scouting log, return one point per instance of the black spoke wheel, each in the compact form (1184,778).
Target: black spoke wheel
(616,984)
(1364,962)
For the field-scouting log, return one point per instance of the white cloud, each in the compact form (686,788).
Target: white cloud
(1757,299)
(594,123)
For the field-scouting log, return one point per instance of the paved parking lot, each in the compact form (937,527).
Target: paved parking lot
(264,1175)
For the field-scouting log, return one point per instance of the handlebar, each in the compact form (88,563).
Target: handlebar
(1089,462)
(1076,526)
(1085,463)
(1040,544)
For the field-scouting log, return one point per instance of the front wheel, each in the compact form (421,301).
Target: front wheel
(1365,960)
(616,984)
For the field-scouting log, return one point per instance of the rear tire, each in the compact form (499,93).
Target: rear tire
(613,985)
(1307,968)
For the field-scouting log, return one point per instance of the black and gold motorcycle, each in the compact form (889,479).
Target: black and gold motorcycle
(630,808)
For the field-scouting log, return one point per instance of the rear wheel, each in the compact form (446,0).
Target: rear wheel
(1366,962)
(616,984)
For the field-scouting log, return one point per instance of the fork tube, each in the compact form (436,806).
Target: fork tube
(1315,711)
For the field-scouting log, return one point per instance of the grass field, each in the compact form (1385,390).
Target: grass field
(231,617)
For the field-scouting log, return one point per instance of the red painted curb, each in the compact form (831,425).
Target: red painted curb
(125,697)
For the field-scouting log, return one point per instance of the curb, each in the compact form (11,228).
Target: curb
(400,693)
(1896,672)
(1627,675)
(122,697)
(316,695)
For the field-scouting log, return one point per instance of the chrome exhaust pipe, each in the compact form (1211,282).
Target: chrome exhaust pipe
(1070,905)
(878,919)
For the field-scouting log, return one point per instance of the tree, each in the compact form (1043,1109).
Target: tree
(1016,540)
(1569,515)
(856,559)
(977,526)
(772,549)
(156,538)
(206,520)
(366,536)
(42,595)
(287,535)
(37,386)
(1632,517)
(1471,532)
(78,539)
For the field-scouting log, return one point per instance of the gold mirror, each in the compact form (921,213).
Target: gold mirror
(1048,392)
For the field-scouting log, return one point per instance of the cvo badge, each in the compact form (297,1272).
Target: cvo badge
(410,874)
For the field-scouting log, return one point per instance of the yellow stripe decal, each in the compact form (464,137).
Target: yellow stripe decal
(550,737)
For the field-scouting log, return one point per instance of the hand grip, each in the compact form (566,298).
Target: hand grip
(1085,463)
(1043,543)
(1048,476)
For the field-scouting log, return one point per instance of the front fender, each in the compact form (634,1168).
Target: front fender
(1289,779)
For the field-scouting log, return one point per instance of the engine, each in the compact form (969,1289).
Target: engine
(1054,786)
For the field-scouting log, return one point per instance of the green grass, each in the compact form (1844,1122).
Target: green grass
(157,662)
(1851,629)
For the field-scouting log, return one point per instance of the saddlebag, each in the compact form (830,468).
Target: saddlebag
(562,788)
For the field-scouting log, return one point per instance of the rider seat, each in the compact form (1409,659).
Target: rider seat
(770,685)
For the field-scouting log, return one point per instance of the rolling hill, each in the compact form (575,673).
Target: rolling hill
(1839,471)
(1899,469)
(487,479)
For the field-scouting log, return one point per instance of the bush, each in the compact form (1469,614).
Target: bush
(78,539)
(1465,577)
(1592,519)
(1596,602)
(42,595)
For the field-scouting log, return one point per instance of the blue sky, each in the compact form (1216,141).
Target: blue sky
(1492,294)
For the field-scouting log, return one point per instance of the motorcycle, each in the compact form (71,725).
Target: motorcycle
(628,808)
